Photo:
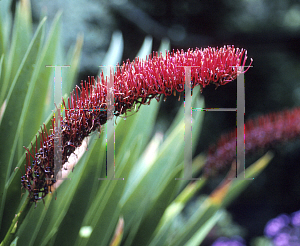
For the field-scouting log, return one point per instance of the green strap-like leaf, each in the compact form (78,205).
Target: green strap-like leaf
(12,115)
(21,36)
(219,198)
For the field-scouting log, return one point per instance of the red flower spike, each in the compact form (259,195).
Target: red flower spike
(135,83)
(260,134)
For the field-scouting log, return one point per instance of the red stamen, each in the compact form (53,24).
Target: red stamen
(27,163)
(28,152)
(36,143)
(41,143)
(32,150)
(45,129)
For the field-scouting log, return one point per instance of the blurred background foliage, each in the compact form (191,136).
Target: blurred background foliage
(268,29)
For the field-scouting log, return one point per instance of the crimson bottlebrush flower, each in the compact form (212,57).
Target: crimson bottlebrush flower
(260,134)
(135,83)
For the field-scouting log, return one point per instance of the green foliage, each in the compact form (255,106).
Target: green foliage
(138,210)
(25,85)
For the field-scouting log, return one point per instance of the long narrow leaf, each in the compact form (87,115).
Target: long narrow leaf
(12,114)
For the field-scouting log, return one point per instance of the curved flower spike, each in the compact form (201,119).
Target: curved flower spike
(261,133)
(135,83)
